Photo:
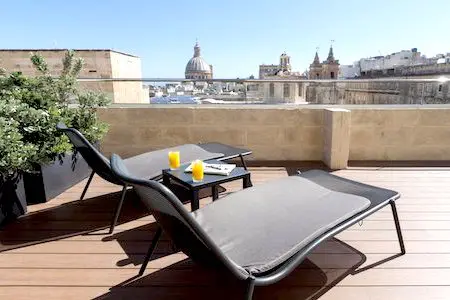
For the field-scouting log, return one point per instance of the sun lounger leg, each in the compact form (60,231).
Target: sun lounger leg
(87,185)
(250,288)
(244,165)
(150,251)
(119,207)
(397,227)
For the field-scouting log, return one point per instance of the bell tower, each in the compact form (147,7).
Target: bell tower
(315,69)
(285,62)
(331,65)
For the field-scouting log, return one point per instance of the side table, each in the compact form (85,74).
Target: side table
(213,181)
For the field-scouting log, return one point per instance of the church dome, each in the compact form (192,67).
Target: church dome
(197,64)
(197,67)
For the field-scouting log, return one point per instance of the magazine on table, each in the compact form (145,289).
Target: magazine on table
(215,169)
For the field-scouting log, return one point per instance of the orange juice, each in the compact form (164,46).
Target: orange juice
(174,160)
(197,171)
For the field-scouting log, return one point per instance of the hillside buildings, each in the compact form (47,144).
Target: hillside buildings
(398,64)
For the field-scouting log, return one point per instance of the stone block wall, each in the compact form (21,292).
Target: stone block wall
(271,133)
(378,92)
(279,133)
(400,134)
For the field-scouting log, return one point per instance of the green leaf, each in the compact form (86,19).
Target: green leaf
(30,108)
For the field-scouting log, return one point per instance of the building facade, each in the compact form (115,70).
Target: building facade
(284,67)
(282,89)
(197,67)
(98,64)
(349,71)
(388,91)
(328,69)
(404,64)
(393,60)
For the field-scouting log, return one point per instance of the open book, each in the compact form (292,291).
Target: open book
(215,169)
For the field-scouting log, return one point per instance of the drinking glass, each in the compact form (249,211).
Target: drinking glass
(174,160)
(197,171)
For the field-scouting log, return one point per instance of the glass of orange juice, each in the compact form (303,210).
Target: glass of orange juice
(174,160)
(197,171)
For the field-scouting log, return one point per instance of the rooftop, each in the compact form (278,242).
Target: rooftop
(61,249)
(62,49)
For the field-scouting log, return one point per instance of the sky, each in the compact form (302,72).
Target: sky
(235,36)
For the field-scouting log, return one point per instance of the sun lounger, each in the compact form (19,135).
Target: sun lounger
(147,165)
(262,233)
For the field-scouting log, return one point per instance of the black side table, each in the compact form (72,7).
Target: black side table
(213,181)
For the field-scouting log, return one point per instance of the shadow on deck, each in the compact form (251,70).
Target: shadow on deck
(324,268)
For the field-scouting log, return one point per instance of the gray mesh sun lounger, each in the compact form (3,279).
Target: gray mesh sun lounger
(262,233)
(147,165)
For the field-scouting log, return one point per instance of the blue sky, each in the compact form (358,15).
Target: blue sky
(235,35)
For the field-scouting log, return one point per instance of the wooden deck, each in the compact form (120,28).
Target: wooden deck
(61,250)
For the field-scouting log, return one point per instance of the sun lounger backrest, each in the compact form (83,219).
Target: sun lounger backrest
(97,161)
(174,219)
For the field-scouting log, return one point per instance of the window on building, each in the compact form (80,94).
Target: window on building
(440,88)
(300,86)
(332,75)
(317,75)
(286,90)
(92,71)
(271,90)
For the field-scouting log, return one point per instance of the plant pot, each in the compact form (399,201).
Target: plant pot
(50,180)
(12,200)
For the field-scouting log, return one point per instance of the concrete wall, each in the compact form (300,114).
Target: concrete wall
(272,133)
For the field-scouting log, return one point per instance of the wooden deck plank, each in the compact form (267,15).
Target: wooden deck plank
(80,266)
(195,277)
(140,247)
(113,261)
(184,293)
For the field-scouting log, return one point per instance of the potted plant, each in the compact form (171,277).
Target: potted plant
(44,100)
(14,160)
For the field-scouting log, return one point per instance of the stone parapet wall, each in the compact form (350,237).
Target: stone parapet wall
(420,133)
(277,133)
(271,133)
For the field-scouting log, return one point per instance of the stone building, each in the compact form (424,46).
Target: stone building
(265,70)
(349,71)
(98,64)
(282,89)
(328,69)
(376,65)
(405,63)
(284,67)
(389,91)
(197,67)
